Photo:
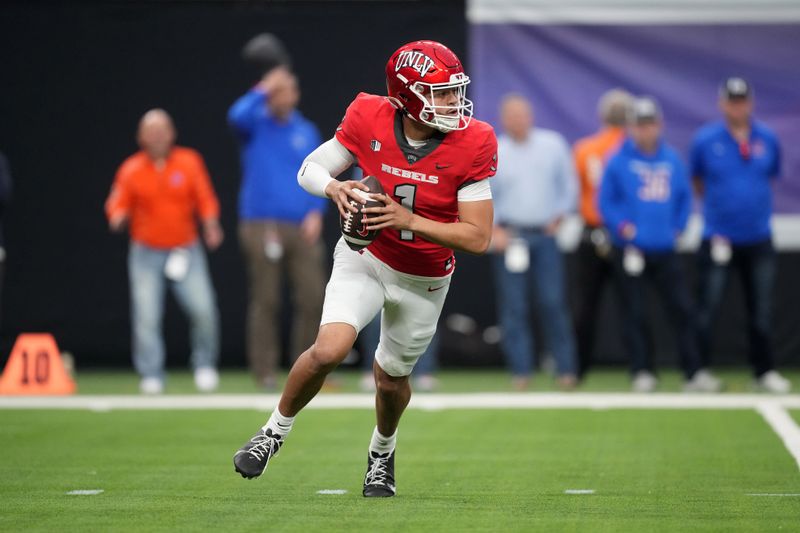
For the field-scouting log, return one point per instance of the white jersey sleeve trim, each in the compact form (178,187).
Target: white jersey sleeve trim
(475,192)
(322,165)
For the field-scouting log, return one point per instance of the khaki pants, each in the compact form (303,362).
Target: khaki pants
(303,264)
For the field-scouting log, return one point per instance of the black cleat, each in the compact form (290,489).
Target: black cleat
(252,459)
(379,481)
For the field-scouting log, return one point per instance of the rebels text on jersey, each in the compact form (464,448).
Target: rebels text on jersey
(424,180)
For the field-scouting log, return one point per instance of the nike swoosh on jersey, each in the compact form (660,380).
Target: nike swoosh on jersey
(431,289)
(442,167)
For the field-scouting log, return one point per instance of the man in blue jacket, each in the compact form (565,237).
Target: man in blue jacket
(280,223)
(645,200)
(734,162)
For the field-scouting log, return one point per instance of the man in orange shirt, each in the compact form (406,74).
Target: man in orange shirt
(159,192)
(594,262)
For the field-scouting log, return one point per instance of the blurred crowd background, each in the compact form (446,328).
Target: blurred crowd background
(78,77)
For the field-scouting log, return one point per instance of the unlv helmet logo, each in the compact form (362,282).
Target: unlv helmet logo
(416,60)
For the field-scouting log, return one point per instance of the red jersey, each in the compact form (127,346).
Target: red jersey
(424,180)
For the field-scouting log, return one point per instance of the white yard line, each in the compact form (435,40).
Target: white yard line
(784,425)
(776,495)
(772,408)
(267,402)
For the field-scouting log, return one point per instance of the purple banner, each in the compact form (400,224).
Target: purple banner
(564,69)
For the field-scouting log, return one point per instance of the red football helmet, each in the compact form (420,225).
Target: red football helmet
(427,81)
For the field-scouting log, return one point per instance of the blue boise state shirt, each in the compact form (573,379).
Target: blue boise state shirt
(271,154)
(651,191)
(738,200)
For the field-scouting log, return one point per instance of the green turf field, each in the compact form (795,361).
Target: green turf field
(457,470)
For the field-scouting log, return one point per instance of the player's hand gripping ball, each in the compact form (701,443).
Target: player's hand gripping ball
(354,225)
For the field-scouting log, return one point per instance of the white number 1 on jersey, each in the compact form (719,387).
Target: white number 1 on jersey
(406,193)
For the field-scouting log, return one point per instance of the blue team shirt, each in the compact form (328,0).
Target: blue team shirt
(651,191)
(271,154)
(738,199)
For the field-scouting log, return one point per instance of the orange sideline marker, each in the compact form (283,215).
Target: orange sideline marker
(35,368)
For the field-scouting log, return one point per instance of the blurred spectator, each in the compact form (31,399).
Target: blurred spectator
(534,188)
(159,191)
(594,250)
(5,196)
(645,200)
(280,224)
(733,162)
(423,377)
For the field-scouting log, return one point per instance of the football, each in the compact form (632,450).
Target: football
(354,224)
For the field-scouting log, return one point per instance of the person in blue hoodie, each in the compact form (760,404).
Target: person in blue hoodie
(280,224)
(734,162)
(645,200)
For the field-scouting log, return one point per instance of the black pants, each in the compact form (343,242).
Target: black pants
(664,272)
(755,263)
(595,271)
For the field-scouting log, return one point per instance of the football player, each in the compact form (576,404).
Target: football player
(432,161)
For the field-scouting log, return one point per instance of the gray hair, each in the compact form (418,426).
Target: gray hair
(614,106)
(515,97)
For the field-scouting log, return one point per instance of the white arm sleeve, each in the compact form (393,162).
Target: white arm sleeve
(322,165)
(475,192)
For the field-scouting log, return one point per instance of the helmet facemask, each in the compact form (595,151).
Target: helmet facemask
(444,118)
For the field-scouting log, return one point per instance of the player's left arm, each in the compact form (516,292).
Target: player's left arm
(471,233)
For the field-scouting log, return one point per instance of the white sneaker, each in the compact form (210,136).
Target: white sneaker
(151,386)
(775,383)
(367,382)
(703,381)
(206,379)
(644,381)
(426,383)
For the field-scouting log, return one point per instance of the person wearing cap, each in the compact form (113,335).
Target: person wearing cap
(594,259)
(733,162)
(645,201)
(280,224)
(533,190)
